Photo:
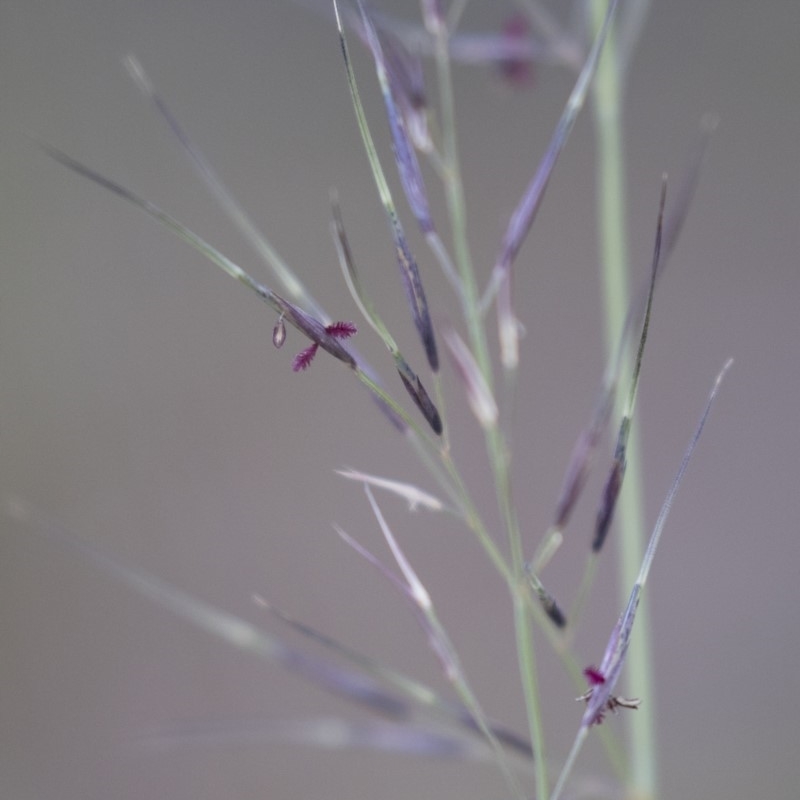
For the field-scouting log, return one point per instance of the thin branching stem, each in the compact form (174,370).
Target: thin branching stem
(454,192)
(496,446)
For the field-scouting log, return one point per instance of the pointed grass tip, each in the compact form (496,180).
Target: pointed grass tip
(548,602)
(414,496)
(279,333)
(554,612)
(479,396)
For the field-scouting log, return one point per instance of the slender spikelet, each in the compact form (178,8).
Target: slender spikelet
(325,336)
(406,159)
(546,598)
(406,79)
(353,279)
(578,467)
(409,270)
(617,474)
(419,394)
(410,379)
(415,294)
(528,206)
(336,330)
(479,396)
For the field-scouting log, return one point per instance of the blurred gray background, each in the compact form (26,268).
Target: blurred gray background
(143,407)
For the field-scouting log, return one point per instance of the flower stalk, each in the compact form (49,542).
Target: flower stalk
(417,133)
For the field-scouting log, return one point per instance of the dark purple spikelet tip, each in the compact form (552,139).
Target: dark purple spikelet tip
(606,511)
(594,676)
(337,330)
(554,612)
(575,476)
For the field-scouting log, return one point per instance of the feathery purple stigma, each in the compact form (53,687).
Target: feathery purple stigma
(304,358)
(341,330)
(594,676)
(337,330)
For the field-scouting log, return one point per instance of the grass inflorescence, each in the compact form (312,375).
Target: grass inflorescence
(411,717)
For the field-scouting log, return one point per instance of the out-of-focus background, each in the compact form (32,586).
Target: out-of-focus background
(144,409)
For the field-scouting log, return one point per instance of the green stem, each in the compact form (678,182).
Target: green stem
(523,619)
(454,192)
(611,210)
(496,445)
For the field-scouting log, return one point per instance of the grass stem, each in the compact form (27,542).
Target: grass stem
(611,213)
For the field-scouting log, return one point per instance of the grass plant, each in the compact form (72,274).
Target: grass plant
(596,46)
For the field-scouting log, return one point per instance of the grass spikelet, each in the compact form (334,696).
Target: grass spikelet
(479,397)
(406,159)
(614,482)
(409,270)
(528,206)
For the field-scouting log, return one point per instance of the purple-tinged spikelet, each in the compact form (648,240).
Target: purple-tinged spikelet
(479,395)
(419,394)
(554,612)
(576,473)
(614,481)
(406,79)
(408,266)
(548,602)
(416,298)
(334,331)
(531,200)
